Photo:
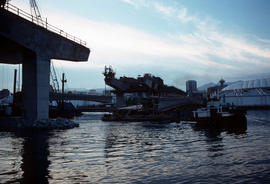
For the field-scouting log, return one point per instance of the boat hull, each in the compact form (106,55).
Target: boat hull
(233,121)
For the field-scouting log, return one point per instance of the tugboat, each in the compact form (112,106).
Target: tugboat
(217,115)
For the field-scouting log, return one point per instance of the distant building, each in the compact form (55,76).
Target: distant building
(250,93)
(92,92)
(214,92)
(5,97)
(4,93)
(107,93)
(191,86)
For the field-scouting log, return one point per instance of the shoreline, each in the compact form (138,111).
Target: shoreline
(18,123)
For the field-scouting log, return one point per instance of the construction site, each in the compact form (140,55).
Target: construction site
(147,98)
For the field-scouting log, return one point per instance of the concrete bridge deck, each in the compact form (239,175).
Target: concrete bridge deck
(33,44)
(82,97)
(167,104)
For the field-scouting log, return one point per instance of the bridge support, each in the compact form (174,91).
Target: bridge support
(36,78)
(24,42)
(120,100)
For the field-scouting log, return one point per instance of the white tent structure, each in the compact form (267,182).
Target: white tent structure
(250,93)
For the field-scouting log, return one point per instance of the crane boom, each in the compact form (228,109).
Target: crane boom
(35,11)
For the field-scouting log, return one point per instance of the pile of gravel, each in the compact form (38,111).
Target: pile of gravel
(59,123)
(48,124)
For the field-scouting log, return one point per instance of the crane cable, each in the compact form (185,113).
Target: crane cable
(35,11)
(3,76)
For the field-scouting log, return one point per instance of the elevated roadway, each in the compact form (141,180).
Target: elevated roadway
(81,97)
(33,43)
(170,103)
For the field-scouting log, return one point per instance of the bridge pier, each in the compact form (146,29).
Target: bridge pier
(36,80)
(24,42)
(120,100)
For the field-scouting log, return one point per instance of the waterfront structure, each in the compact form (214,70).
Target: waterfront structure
(214,91)
(5,97)
(191,86)
(32,42)
(4,93)
(250,93)
(130,91)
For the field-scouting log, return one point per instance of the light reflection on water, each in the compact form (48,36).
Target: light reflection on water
(113,152)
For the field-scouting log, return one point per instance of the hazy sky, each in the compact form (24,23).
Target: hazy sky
(177,40)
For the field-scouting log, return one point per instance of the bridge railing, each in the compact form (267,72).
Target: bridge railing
(42,23)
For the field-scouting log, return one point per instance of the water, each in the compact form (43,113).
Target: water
(113,152)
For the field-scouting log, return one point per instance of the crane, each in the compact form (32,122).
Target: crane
(35,10)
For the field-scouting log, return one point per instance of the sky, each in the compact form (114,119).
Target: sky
(177,40)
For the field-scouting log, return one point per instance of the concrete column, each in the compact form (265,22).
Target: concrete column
(120,100)
(36,82)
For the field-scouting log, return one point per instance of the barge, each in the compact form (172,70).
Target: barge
(137,113)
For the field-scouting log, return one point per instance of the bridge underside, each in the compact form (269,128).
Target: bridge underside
(11,52)
(80,97)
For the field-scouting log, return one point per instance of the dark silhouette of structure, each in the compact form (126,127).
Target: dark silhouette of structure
(32,42)
(144,87)
(2,3)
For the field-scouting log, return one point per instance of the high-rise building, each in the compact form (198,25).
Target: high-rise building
(191,86)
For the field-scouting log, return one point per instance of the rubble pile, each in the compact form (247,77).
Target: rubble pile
(48,124)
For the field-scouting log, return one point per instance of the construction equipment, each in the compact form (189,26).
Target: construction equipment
(55,89)
(35,10)
(54,80)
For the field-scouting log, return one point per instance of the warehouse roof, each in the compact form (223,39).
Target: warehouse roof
(249,84)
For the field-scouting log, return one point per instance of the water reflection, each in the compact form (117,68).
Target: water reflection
(113,152)
(239,128)
(35,161)
(214,138)
(214,141)
(126,139)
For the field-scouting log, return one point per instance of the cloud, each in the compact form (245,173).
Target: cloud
(131,2)
(208,45)
(205,49)
(184,17)
(226,46)
(166,10)
(122,41)
(114,42)
(180,13)
(136,3)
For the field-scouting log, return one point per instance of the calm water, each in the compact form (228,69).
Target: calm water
(107,152)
